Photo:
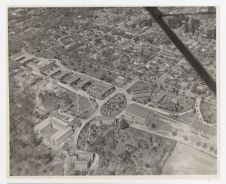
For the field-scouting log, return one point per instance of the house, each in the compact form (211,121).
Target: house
(138,114)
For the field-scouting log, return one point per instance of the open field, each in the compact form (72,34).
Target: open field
(188,161)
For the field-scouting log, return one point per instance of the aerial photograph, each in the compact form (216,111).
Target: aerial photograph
(109,91)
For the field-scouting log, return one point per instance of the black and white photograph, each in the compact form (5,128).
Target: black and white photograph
(113,91)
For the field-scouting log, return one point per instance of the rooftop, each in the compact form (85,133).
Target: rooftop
(100,86)
(72,79)
(138,110)
(60,133)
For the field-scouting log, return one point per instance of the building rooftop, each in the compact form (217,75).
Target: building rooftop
(100,87)
(159,96)
(104,118)
(42,124)
(18,56)
(52,71)
(60,133)
(72,79)
(138,110)
(81,164)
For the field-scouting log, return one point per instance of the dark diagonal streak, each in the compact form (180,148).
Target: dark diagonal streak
(183,49)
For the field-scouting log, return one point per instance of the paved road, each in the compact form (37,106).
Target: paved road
(145,129)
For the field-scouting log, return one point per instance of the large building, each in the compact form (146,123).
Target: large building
(54,129)
(82,160)
(23,58)
(73,79)
(100,90)
(81,165)
(138,114)
(46,67)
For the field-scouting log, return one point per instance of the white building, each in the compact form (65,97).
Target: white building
(61,136)
(138,114)
(60,129)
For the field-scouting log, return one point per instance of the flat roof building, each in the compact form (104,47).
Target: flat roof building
(45,65)
(84,155)
(120,79)
(138,114)
(39,127)
(73,79)
(61,136)
(100,90)
(62,74)
(51,71)
(23,58)
(81,165)
(19,57)
(58,130)
(204,128)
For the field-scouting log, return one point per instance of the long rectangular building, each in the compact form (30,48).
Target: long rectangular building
(61,136)
(138,114)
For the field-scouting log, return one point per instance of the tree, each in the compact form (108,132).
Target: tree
(153,125)
(100,140)
(124,124)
